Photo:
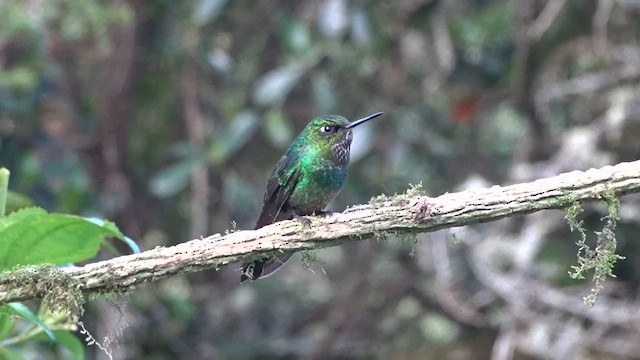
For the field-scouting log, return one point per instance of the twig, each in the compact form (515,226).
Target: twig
(549,14)
(197,131)
(4,190)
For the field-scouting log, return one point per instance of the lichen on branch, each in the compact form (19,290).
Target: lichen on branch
(411,212)
(603,257)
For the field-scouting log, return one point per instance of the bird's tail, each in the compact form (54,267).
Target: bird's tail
(264,267)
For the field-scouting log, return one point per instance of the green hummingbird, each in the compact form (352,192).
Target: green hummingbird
(307,177)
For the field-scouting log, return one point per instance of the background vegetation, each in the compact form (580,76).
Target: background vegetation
(166,117)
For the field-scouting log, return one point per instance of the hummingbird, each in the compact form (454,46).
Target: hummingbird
(305,179)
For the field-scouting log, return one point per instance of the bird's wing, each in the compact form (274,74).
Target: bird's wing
(281,184)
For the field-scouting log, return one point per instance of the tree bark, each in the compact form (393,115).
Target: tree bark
(407,213)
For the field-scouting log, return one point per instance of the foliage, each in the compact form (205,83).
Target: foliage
(167,116)
(31,242)
(69,238)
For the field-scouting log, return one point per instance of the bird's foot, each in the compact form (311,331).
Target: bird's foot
(323,213)
(423,207)
(303,219)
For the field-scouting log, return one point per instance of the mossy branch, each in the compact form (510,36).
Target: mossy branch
(410,212)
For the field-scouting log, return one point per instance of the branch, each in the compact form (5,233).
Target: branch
(407,213)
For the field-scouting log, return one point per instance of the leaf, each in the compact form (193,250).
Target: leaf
(332,18)
(295,35)
(8,354)
(17,201)
(324,94)
(361,29)
(68,340)
(275,85)
(31,237)
(19,216)
(19,78)
(132,245)
(6,323)
(24,312)
(239,132)
(175,177)
(278,128)
(172,179)
(111,226)
(208,10)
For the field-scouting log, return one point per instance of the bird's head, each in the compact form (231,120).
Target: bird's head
(331,135)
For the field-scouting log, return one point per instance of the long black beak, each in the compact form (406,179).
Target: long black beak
(358,122)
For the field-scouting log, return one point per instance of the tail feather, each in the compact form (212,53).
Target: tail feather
(265,267)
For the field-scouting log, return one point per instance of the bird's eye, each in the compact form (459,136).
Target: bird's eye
(328,129)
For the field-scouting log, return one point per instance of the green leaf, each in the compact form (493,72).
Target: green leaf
(19,216)
(278,127)
(172,179)
(234,137)
(208,10)
(296,36)
(68,340)
(175,177)
(324,94)
(6,323)
(275,85)
(8,354)
(111,226)
(17,201)
(31,237)
(24,312)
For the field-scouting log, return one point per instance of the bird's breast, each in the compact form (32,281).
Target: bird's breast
(318,185)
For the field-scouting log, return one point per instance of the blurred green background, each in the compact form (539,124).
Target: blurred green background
(166,117)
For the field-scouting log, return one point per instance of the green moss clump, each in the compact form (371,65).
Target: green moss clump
(59,291)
